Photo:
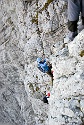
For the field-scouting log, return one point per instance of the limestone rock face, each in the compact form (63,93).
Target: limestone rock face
(66,102)
(15,107)
(31,29)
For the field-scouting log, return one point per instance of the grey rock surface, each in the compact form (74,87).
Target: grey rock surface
(31,29)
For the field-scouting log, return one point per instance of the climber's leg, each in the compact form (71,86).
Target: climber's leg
(81,26)
(73,17)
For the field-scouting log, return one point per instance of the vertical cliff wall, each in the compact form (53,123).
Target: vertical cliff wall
(31,29)
(15,108)
(67,98)
(25,26)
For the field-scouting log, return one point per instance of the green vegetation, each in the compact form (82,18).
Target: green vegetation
(31,87)
(37,88)
(82,53)
(79,101)
(36,77)
(35,19)
(34,87)
(13,28)
(64,45)
(69,99)
(10,21)
(46,4)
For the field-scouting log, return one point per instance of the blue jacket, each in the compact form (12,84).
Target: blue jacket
(43,66)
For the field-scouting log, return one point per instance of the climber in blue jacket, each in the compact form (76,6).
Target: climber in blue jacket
(44,66)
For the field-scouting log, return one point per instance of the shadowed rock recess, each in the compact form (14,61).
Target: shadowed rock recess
(31,29)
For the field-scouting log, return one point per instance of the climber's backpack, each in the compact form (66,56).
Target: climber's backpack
(41,69)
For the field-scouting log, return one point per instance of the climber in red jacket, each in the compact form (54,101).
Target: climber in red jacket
(45,98)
